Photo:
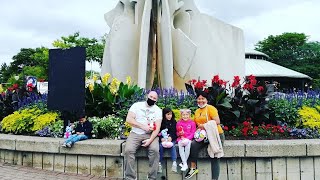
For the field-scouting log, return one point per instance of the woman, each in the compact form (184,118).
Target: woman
(203,114)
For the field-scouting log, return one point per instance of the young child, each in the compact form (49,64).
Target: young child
(169,123)
(83,132)
(185,131)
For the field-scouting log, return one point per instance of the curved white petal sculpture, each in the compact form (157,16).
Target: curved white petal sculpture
(170,40)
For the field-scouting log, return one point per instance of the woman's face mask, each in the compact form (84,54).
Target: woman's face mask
(202,101)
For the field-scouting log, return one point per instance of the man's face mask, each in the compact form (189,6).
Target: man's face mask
(150,102)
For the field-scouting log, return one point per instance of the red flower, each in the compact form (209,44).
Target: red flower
(245,131)
(256,128)
(10,89)
(41,80)
(222,82)
(253,82)
(255,133)
(206,90)
(215,79)
(193,81)
(226,128)
(204,81)
(236,81)
(15,86)
(260,89)
(246,123)
(233,127)
(251,77)
(199,85)
(246,86)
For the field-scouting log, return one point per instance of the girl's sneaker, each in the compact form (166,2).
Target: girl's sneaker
(191,173)
(184,167)
(174,166)
(69,145)
(160,168)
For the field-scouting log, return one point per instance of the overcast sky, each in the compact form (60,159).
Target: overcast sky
(35,23)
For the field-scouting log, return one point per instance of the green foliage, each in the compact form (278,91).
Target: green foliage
(12,80)
(106,127)
(28,120)
(237,103)
(285,111)
(292,50)
(283,48)
(113,97)
(94,48)
(57,128)
(316,84)
(173,99)
(36,71)
(247,130)
(27,57)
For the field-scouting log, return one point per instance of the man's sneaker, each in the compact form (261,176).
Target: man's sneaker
(184,167)
(160,168)
(64,145)
(69,145)
(174,167)
(191,173)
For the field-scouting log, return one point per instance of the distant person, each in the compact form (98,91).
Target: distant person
(82,132)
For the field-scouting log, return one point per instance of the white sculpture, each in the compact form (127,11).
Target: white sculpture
(170,39)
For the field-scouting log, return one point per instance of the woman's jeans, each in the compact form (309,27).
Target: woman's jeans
(75,138)
(215,162)
(172,150)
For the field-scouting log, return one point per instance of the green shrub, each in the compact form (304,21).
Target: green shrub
(285,111)
(106,127)
(28,120)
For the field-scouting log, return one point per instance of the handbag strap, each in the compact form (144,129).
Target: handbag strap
(207,113)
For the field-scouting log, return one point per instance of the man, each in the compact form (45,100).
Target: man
(145,119)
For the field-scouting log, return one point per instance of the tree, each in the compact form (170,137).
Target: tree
(94,48)
(25,59)
(4,72)
(283,48)
(292,50)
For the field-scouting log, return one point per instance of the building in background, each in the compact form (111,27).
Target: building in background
(282,78)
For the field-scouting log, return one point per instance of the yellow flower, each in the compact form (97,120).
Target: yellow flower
(128,80)
(310,117)
(1,88)
(114,86)
(44,120)
(95,77)
(105,78)
(91,87)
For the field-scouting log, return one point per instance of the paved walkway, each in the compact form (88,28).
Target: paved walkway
(14,172)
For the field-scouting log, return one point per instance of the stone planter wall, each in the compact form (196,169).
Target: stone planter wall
(259,159)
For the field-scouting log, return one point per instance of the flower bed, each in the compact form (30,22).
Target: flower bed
(246,110)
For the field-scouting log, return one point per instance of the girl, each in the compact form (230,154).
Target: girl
(169,122)
(185,131)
